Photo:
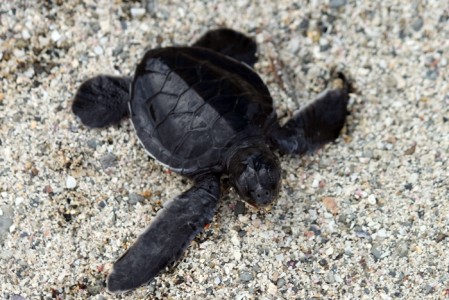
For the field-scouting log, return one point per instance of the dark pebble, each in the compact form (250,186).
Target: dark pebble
(117,51)
(94,290)
(210,291)
(34,202)
(362,234)
(240,208)
(421,214)
(337,3)
(108,160)
(316,230)
(408,186)
(287,230)
(246,276)
(417,24)
(376,253)
(92,143)
(280,283)
(325,47)
(123,25)
(428,289)
(134,198)
(5,220)
(242,233)
(440,237)
(323,262)
(179,280)
(397,294)
(102,204)
(432,74)
(292,263)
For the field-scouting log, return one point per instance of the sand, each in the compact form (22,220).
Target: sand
(366,217)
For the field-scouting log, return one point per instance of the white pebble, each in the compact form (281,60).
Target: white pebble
(43,41)
(294,45)
(235,240)
(272,289)
(71,182)
(372,199)
(316,181)
(26,34)
(382,233)
(413,178)
(98,50)
(55,36)
(279,257)
(18,53)
(18,201)
(137,12)
(237,255)
(29,73)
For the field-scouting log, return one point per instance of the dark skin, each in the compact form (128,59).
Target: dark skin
(246,154)
(256,175)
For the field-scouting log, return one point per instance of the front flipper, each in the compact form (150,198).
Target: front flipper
(231,43)
(168,235)
(316,124)
(102,100)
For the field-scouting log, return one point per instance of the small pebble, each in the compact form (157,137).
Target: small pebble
(134,198)
(70,182)
(377,254)
(272,289)
(55,36)
(372,199)
(92,143)
(337,3)
(108,160)
(240,208)
(98,50)
(417,24)
(5,221)
(137,12)
(280,283)
(245,276)
(294,45)
(26,34)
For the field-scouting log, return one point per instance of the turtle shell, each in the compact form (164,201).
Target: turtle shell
(189,105)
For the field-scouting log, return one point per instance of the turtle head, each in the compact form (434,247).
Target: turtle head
(256,174)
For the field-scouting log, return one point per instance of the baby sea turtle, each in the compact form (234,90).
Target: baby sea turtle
(204,112)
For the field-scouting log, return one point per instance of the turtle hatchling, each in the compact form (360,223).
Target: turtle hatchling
(203,111)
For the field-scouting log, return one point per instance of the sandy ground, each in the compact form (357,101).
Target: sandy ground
(367,217)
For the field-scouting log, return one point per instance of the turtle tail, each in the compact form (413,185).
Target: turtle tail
(102,101)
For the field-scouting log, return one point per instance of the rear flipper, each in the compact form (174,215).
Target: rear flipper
(167,237)
(231,43)
(102,100)
(316,124)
